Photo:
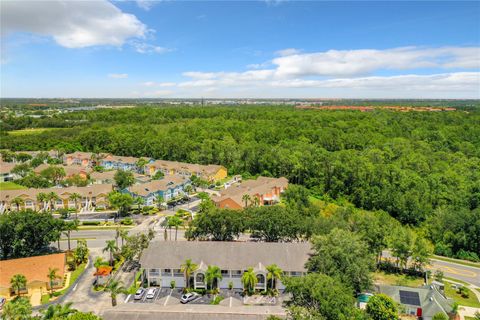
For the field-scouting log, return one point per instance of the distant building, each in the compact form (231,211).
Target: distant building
(35,269)
(122,163)
(162,261)
(93,196)
(209,173)
(423,302)
(168,188)
(6,172)
(84,159)
(266,190)
(108,177)
(70,170)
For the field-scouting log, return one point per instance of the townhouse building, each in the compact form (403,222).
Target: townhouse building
(111,162)
(168,188)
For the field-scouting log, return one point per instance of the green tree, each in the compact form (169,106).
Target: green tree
(17,309)
(111,248)
(99,262)
(55,174)
(246,199)
(273,274)
(382,307)
(212,276)
(58,311)
(120,201)
(321,295)
(52,198)
(174,222)
(188,268)
(42,198)
(343,254)
(141,164)
(81,252)
(123,235)
(249,280)
(158,175)
(84,316)
(75,197)
(123,179)
(52,276)
(18,282)
(115,288)
(159,200)
(401,243)
(421,253)
(217,225)
(21,169)
(17,201)
(68,228)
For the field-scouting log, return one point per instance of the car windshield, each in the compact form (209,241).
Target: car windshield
(139,291)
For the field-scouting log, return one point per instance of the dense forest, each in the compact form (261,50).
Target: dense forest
(423,168)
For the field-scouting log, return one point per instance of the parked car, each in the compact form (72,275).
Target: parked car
(139,294)
(2,302)
(187,297)
(151,293)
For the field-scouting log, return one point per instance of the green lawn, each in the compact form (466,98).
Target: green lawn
(103,228)
(382,277)
(471,301)
(30,131)
(10,186)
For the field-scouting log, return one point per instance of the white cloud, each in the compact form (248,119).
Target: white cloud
(118,75)
(366,61)
(146,4)
(143,47)
(287,52)
(72,24)
(159,84)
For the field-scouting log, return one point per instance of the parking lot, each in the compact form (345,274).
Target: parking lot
(167,296)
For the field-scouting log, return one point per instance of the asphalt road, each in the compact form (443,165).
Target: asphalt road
(457,271)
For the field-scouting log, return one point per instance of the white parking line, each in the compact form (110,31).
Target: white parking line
(128,298)
(168,297)
(231,299)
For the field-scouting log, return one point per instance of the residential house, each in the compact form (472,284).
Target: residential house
(266,190)
(35,269)
(209,173)
(162,261)
(85,159)
(122,163)
(108,177)
(6,172)
(168,188)
(70,170)
(92,197)
(423,302)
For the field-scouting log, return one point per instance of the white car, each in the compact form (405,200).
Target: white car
(151,293)
(139,294)
(187,297)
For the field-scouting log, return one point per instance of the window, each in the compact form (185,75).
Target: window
(237,273)
(28,203)
(166,272)
(225,274)
(295,274)
(177,273)
(59,202)
(154,272)
(200,278)
(260,278)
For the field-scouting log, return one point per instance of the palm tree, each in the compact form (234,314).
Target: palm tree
(18,282)
(188,189)
(75,197)
(212,275)
(68,228)
(188,268)
(139,201)
(111,248)
(256,201)
(117,235)
(58,311)
(123,235)
(19,308)
(115,288)
(52,197)
(159,201)
(246,198)
(273,273)
(141,165)
(42,197)
(249,280)
(52,275)
(174,222)
(17,201)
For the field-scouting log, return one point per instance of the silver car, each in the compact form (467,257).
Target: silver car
(139,294)
(151,293)
(187,297)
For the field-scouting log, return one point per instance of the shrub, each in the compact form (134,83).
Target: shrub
(172,284)
(216,300)
(230,285)
(464,292)
(127,221)
(64,213)
(91,223)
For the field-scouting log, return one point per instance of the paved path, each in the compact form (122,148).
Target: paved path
(467,311)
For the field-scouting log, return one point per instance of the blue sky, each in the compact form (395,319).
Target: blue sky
(262,49)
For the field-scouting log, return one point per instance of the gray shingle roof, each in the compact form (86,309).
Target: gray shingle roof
(227,255)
